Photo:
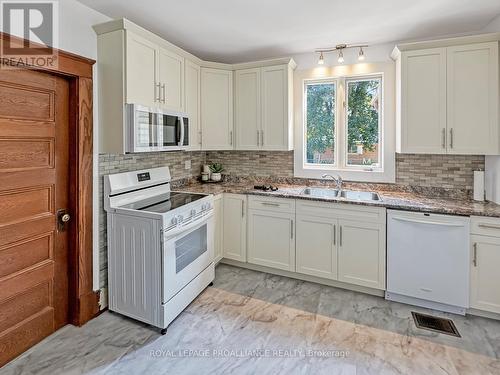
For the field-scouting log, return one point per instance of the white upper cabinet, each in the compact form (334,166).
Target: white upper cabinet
(277,108)
(448,98)
(263,107)
(247,109)
(423,101)
(171,79)
(192,84)
(472,75)
(140,62)
(217,109)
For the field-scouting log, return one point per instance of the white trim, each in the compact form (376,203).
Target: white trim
(387,140)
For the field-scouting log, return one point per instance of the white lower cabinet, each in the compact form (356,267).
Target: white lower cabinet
(235,228)
(361,255)
(271,235)
(317,246)
(485,259)
(219,222)
(342,243)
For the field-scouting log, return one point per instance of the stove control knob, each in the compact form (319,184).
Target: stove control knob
(178,219)
(174,220)
(208,206)
(193,212)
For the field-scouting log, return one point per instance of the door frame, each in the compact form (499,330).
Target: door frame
(77,70)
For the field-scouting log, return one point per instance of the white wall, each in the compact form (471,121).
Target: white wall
(492,166)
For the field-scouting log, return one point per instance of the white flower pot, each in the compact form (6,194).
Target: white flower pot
(216,177)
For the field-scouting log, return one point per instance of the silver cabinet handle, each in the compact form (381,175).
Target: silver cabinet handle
(200,134)
(451,138)
(158,98)
(270,204)
(164,93)
(489,226)
(242,208)
(474,258)
(291,229)
(230,137)
(334,235)
(258,138)
(341,235)
(443,135)
(262,137)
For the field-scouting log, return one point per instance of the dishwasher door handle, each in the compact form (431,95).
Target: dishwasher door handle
(420,221)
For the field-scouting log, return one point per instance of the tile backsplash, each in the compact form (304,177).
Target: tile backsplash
(445,171)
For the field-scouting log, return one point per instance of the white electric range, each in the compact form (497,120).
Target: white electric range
(160,245)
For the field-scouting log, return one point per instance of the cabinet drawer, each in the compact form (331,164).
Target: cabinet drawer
(341,210)
(486,226)
(271,204)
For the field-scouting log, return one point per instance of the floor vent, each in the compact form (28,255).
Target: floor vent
(435,324)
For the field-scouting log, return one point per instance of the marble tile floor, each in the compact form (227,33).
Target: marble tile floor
(255,323)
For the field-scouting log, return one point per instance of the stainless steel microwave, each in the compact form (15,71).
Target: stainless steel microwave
(152,129)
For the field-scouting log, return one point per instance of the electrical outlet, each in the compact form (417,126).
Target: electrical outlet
(187,164)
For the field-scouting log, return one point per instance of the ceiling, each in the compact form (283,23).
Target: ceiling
(237,30)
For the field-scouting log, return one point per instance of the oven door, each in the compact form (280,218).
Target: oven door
(143,129)
(173,130)
(185,254)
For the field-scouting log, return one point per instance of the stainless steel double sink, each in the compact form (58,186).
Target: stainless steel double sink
(352,195)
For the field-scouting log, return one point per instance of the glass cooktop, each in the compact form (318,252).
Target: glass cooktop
(164,203)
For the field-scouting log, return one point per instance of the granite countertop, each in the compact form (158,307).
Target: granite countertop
(393,198)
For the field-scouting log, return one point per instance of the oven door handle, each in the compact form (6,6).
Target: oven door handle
(189,225)
(181,120)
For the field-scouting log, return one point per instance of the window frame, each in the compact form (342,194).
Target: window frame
(344,159)
(386,172)
(305,164)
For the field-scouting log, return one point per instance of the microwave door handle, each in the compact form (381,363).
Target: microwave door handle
(181,142)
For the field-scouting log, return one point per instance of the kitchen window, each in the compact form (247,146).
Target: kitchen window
(346,124)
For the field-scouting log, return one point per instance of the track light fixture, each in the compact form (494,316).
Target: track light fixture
(341,48)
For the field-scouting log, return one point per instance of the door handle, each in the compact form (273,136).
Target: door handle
(341,235)
(451,138)
(163,90)
(158,98)
(443,135)
(62,218)
(262,137)
(230,137)
(258,138)
(291,229)
(242,208)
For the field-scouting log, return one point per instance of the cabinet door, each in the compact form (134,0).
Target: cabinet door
(485,278)
(192,103)
(219,222)
(275,111)
(317,246)
(362,253)
(271,239)
(473,99)
(423,101)
(140,64)
(217,109)
(247,109)
(171,79)
(234,232)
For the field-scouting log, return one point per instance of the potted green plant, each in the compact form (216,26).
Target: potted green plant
(216,169)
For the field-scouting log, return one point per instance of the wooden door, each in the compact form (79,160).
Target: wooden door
(423,101)
(34,156)
(171,79)
(317,246)
(271,239)
(472,92)
(247,109)
(217,109)
(234,229)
